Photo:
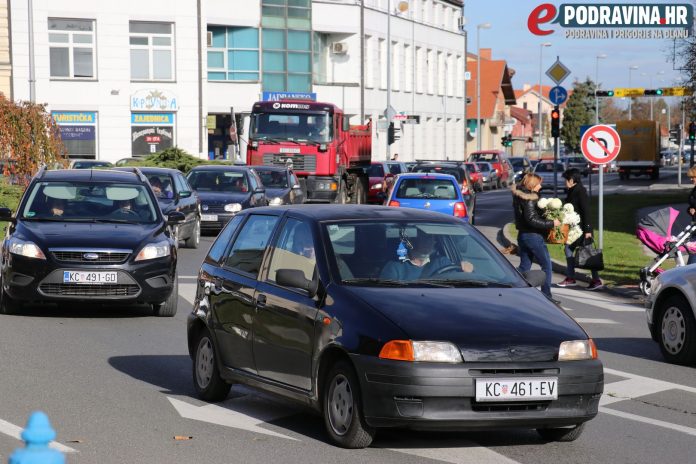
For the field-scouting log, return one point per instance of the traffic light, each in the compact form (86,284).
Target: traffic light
(507,141)
(555,123)
(692,131)
(391,134)
(657,92)
(604,93)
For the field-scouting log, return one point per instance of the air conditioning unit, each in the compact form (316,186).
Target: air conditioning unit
(209,39)
(339,48)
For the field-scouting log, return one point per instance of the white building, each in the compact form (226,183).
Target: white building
(131,77)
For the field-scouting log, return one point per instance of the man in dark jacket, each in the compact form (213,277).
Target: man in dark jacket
(577,196)
(532,229)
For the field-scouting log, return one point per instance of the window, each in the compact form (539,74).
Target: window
(408,68)
(432,64)
(450,75)
(421,76)
(78,130)
(294,250)
(233,54)
(151,51)
(71,48)
(320,58)
(370,60)
(286,14)
(287,60)
(396,66)
(223,240)
(460,77)
(247,252)
(441,73)
(382,63)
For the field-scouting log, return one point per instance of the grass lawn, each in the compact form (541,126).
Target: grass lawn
(9,198)
(623,252)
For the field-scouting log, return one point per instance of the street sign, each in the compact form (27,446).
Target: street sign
(389,113)
(558,72)
(277,96)
(676,91)
(600,144)
(629,92)
(467,76)
(558,95)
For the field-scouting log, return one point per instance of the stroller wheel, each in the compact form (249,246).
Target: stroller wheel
(645,288)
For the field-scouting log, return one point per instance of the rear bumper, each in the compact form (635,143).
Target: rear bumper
(442,397)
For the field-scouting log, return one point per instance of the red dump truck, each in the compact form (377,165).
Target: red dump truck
(329,156)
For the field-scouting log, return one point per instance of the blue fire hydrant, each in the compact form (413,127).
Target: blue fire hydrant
(37,435)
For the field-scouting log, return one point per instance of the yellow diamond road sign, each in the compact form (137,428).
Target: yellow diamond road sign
(629,92)
(558,72)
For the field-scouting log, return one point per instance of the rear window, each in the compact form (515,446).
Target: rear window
(440,189)
(493,157)
(452,171)
(376,170)
(471,167)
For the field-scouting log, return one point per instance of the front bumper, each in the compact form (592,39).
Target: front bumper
(319,189)
(442,397)
(222,220)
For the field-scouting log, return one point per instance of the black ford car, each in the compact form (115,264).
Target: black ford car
(224,191)
(387,317)
(89,235)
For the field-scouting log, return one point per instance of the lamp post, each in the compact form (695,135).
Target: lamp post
(630,99)
(401,7)
(541,94)
(596,78)
(478,82)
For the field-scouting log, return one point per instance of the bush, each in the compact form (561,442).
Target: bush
(173,158)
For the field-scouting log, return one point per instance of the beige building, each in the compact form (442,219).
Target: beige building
(5,55)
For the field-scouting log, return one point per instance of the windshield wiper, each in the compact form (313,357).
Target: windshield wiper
(309,141)
(394,282)
(462,283)
(116,221)
(56,219)
(268,139)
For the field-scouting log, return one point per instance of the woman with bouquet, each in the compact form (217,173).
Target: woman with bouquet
(532,228)
(577,196)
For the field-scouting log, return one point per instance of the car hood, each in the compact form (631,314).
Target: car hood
(221,198)
(487,324)
(88,235)
(277,192)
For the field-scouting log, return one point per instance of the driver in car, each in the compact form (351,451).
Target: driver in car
(126,209)
(418,263)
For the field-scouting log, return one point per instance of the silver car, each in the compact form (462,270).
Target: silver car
(544,169)
(670,313)
(489,177)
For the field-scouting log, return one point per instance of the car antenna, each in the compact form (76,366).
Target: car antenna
(42,170)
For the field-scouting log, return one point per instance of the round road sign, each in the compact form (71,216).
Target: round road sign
(600,144)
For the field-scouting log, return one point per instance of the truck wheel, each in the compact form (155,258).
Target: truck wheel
(358,197)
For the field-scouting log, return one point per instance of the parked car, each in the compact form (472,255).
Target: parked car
(174,193)
(89,236)
(381,174)
(409,165)
(125,161)
(434,192)
(89,164)
(224,191)
(282,185)
(671,316)
(498,159)
(295,301)
(489,177)
(475,175)
(457,169)
(577,162)
(520,166)
(668,158)
(545,169)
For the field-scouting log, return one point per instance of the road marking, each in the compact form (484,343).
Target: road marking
(458,452)
(188,277)
(647,420)
(599,302)
(590,320)
(16,432)
(187,292)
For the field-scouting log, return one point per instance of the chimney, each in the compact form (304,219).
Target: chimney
(486,53)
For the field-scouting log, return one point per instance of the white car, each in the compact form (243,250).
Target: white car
(670,313)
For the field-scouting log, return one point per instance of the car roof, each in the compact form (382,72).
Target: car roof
(429,175)
(83,175)
(221,167)
(269,168)
(330,212)
(154,170)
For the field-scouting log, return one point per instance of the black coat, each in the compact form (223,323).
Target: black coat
(692,199)
(577,196)
(528,218)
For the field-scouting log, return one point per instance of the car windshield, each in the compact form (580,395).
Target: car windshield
(89,201)
(517,163)
(440,189)
(291,126)
(162,185)
(484,167)
(91,164)
(375,170)
(484,157)
(273,179)
(218,181)
(548,167)
(471,167)
(452,171)
(381,253)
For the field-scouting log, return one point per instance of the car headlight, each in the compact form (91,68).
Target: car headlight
(577,350)
(154,250)
(233,207)
(376,187)
(26,249)
(277,201)
(409,350)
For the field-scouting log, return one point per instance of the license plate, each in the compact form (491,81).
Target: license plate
(90,278)
(209,217)
(524,389)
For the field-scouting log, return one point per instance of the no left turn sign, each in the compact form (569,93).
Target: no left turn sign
(600,144)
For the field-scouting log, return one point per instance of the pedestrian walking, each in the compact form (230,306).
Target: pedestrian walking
(532,229)
(692,204)
(577,196)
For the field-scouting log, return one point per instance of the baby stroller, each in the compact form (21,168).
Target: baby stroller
(655,231)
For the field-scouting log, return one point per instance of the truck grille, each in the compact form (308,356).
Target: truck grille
(89,290)
(78,256)
(306,163)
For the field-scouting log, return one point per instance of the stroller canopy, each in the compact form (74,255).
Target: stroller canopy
(656,228)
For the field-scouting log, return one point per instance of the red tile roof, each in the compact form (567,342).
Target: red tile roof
(495,78)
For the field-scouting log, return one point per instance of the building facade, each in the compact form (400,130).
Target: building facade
(130,78)
(5,51)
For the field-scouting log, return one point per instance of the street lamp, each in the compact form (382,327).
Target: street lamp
(478,82)
(630,99)
(541,94)
(401,7)
(596,77)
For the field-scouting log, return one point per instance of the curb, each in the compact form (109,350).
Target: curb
(561,268)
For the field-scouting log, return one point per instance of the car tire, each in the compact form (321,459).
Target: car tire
(206,376)
(563,434)
(342,409)
(677,331)
(195,239)
(168,308)
(8,306)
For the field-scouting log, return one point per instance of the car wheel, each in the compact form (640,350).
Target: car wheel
(195,239)
(206,377)
(7,305)
(168,308)
(677,331)
(342,409)
(562,433)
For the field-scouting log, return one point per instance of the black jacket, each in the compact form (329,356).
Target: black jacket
(577,196)
(528,217)
(692,198)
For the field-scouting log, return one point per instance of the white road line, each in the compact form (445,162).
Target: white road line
(603,304)
(187,292)
(16,432)
(461,452)
(590,320)
(647,420)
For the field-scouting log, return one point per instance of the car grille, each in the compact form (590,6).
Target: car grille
(78,256)
(89,290)
(214,209)
(509,406)
(505,372)
(299,162)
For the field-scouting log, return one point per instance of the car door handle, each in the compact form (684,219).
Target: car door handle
(261,301)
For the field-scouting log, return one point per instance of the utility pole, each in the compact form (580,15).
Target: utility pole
(32,76)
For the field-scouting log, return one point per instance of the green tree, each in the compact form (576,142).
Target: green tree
(579,111)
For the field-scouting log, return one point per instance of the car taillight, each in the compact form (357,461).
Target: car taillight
(465,188)
(394,203)
(460,209)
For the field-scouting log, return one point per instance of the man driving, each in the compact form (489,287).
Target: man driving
(419,262)
(56,207)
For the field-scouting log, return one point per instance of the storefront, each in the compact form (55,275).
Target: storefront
(78,130)
(153,121)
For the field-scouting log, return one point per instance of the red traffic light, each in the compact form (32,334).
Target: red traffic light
(555,114)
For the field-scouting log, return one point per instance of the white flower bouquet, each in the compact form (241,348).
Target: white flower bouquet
(569,230)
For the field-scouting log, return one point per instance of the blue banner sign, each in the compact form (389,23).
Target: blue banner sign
(74,117)
(77,132)
(277,96)
(153,119)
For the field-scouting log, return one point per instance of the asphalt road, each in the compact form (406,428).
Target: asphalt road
(116,383)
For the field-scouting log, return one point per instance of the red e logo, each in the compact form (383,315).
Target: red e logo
(544,13)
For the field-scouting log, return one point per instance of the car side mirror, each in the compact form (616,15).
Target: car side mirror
(175,217)
(185,194)
(296,186)
(346,123)
(259,190)
(535,278)
(296,279)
